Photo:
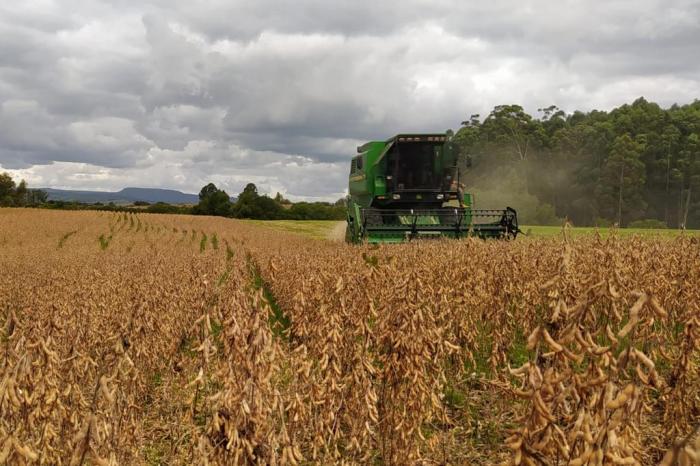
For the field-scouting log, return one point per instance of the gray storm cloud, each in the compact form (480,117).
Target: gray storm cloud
(102,95)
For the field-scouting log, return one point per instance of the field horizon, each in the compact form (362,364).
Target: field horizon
(329,229)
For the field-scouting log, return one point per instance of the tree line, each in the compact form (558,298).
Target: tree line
(251,204)
(212,201)
(636,165)
(19,195)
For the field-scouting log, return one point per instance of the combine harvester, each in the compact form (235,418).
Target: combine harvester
(408,187)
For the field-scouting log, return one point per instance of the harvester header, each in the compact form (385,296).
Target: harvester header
(408,187)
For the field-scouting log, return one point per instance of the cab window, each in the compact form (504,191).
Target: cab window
(357,164)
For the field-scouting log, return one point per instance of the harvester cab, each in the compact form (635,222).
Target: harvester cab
(409,187)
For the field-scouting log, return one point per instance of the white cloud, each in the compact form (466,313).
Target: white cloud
(107,94)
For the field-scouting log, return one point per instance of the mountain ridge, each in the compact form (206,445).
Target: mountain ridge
(128,195)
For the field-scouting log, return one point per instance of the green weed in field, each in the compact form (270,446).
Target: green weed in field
(229,251)
(203,242)
(104,241)
(65,237)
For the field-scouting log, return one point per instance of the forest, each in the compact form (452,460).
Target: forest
(636,165)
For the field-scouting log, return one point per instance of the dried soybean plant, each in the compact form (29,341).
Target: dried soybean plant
(279,349)
(587,383)
(594,387)
(97,359)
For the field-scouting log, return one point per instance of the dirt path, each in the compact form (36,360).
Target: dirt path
(338,232)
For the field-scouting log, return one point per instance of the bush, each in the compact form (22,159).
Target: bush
(545,215)
(649,223)
(601,222)
(165,208)
(316,211)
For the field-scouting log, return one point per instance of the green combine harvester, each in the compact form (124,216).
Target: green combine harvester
(408,187)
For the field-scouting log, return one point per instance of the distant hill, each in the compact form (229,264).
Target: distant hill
(125,196)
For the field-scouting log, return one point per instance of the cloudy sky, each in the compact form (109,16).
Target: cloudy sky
(176,93)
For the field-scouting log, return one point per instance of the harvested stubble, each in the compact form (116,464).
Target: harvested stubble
(283,350)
